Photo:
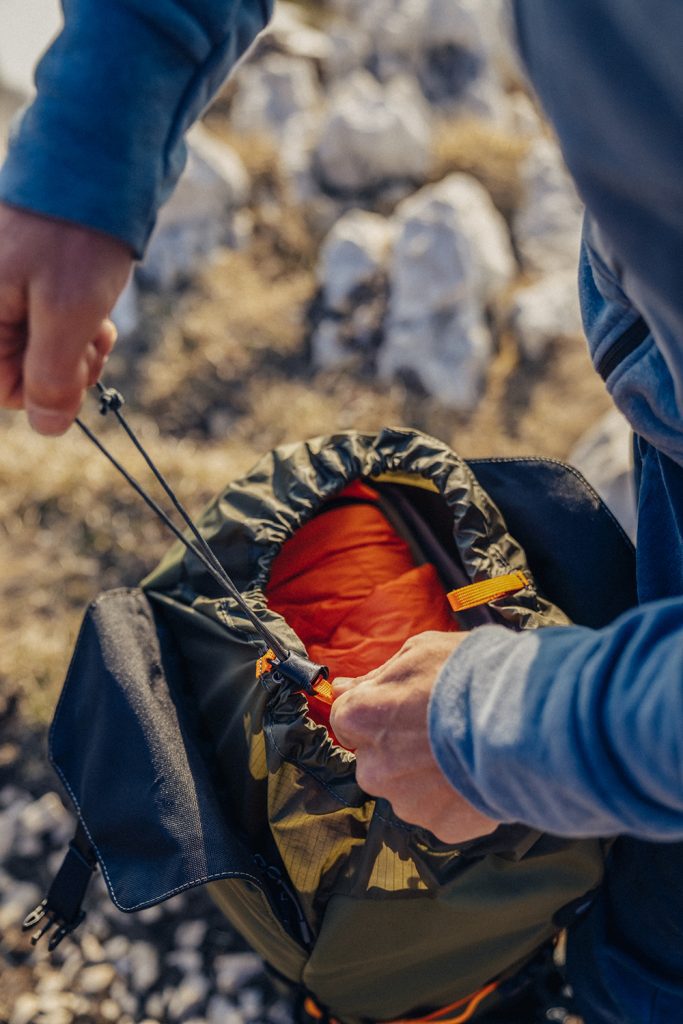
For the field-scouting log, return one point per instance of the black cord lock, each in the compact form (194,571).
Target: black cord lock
(111,400)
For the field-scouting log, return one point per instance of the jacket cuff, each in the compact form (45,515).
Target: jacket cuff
(102,145)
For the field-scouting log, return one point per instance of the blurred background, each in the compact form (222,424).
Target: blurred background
(375,227)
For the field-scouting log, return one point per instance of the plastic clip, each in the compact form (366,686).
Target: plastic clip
(111,400)
(61,908)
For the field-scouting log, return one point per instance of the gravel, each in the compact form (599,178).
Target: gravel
(180,963)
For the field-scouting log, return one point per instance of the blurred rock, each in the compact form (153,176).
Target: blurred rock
(222,1011)
(524,117)
(27,29)
(452,246)
(447,354)
(190,934)
(547,225)
(26,1009)
(96,979)
(188,997)
(189,961)
(144,966)
(374,134)
(197,218)
(604,455)
(270,92)
(356,248)
(233,970)
(47,817)
(126,312)
(350,48)
(296,156)
(544,311)
(290,33)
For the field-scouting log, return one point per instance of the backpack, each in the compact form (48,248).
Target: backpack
(192,760)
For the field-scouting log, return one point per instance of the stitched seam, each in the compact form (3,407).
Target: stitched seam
(158,899)
(575,472)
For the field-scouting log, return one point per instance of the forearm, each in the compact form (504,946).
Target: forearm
(573,731)
(102,145)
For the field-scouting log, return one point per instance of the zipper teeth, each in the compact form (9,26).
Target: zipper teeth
(625,344)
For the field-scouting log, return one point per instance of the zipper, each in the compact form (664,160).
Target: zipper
(620,349)
(285,902)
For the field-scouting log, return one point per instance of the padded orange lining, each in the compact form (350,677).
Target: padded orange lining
(348,586)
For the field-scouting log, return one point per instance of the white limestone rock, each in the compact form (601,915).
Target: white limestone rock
(355,250)
(447,354)
(296,156)
(270,92)
(27,30)
(604,455)
(544,311)
(199,215)
(126,312)
(452,246)
(350,48)
(290,33)
(547,225)
(374,134)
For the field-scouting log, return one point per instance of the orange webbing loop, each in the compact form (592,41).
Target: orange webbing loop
(314,1011)
(470,1005)
(265,663)
(486,590)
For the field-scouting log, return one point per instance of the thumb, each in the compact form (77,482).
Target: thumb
(64,346)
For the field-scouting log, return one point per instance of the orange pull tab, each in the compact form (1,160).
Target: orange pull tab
(486,591)
(265,663)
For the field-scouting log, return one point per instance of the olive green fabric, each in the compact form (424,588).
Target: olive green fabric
(400,923)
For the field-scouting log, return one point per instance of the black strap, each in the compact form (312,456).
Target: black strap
(304,672)
(62,907)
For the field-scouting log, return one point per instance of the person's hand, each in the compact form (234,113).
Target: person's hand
(382,716)
(58,284)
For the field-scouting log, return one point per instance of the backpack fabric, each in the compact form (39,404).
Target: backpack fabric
(186,770)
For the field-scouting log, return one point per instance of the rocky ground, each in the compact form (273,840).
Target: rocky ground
(375,228)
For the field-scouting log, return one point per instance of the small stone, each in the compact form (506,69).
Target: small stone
(48,816)
(452,245)
(188,997)
(143,965)
(52,982)
(250,1002)
(190,934)
(234,970)
(189,961)
(547,224)
(151,915)
(604,455)
(221,1011)
(117,947)
(448,355)
(96,979)
(544,311)
(125,998)
(110,1010)
(155,1005)
(25,1009)
(92,948)
(354,251)
(373,134)
(270,92)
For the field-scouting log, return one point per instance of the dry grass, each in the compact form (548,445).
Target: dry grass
(491,155)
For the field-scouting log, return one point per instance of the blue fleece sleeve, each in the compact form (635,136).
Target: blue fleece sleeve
(102,144)
(569,730)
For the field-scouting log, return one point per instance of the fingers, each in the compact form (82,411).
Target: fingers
(58,284)
(66,349)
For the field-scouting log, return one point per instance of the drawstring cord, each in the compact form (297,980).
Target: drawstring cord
(297,669)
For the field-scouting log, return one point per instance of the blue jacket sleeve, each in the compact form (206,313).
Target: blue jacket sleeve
(102,144)
(569,730)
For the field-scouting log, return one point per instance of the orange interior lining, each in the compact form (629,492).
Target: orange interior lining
(348,586)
